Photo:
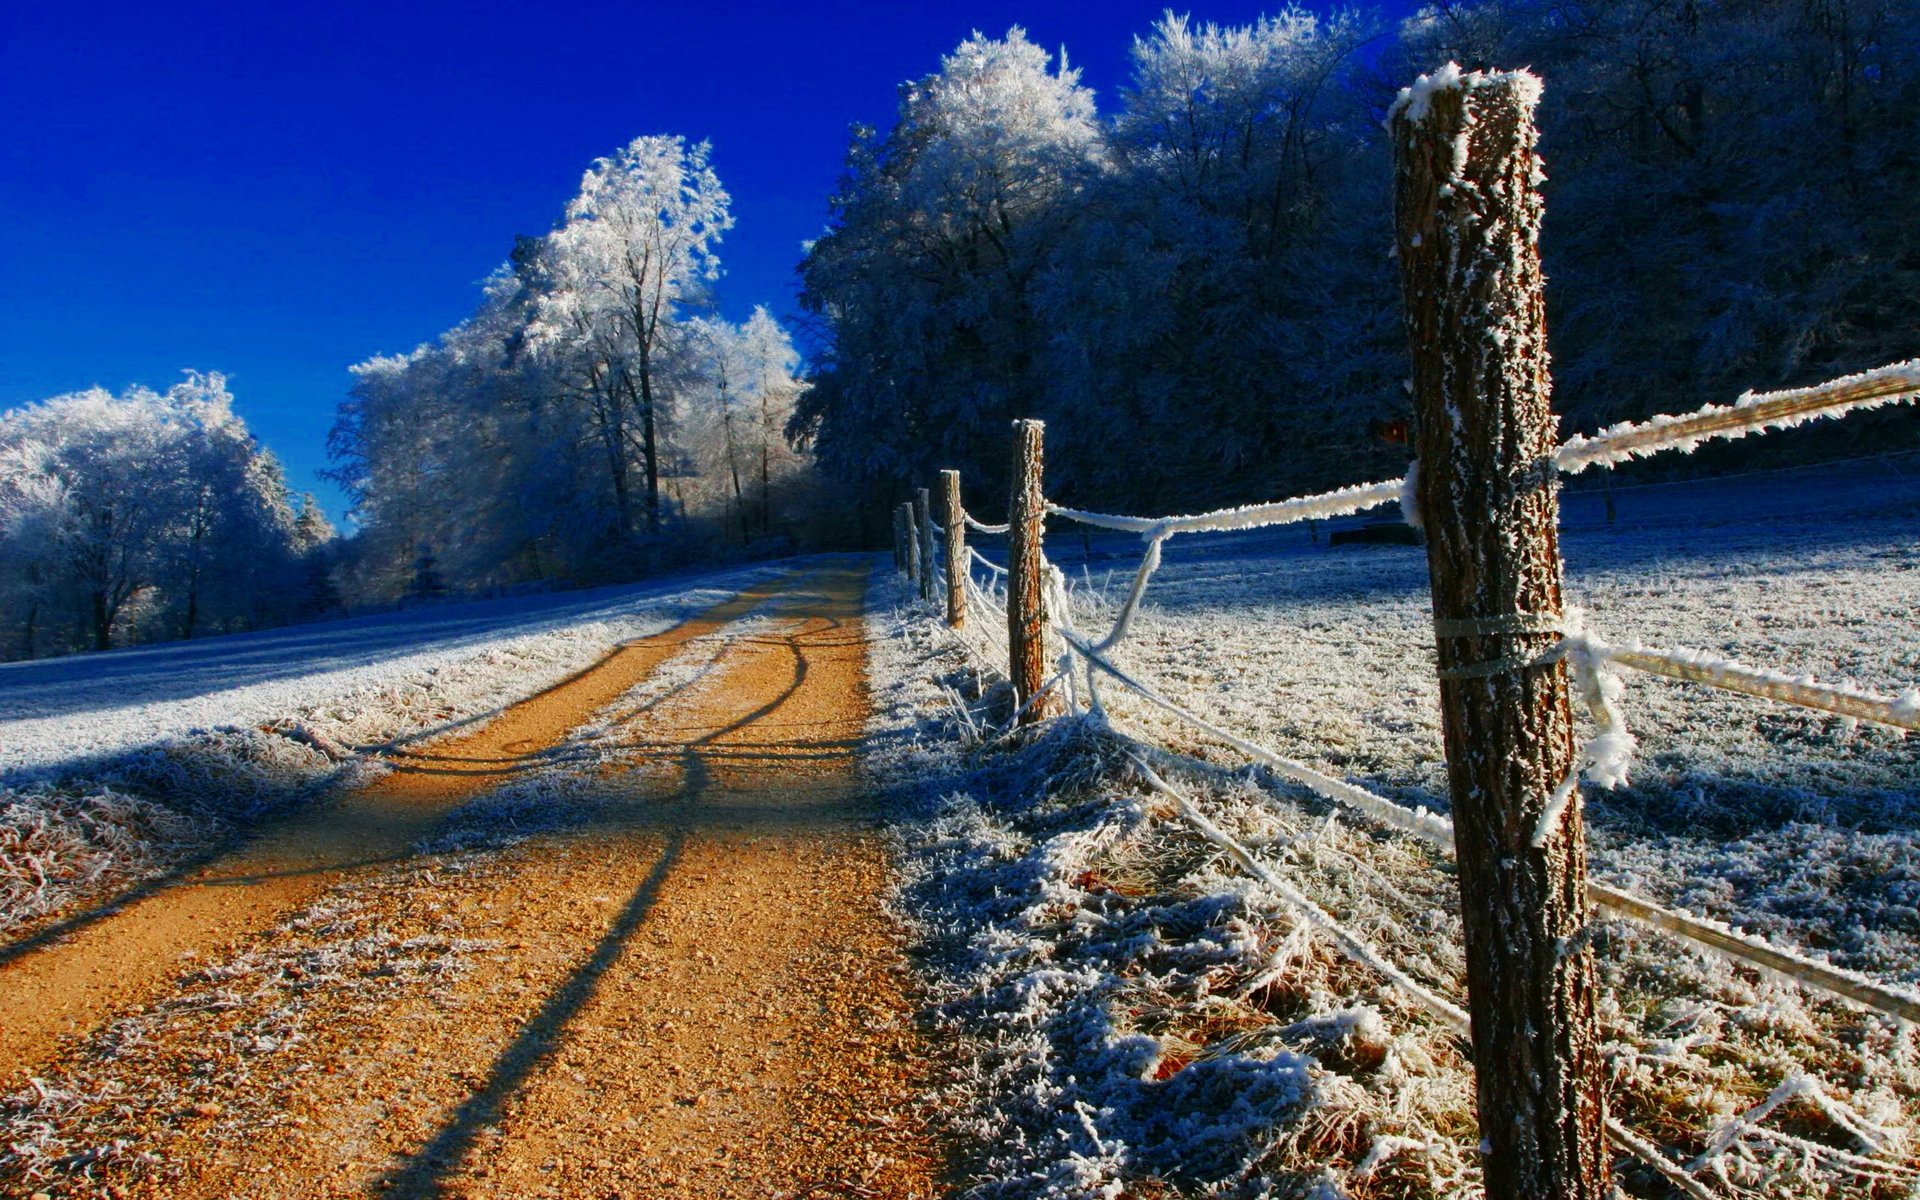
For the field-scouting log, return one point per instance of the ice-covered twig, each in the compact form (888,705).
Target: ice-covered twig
(1650,1154)
(1751,413)
(1338,503)
(1449,1013)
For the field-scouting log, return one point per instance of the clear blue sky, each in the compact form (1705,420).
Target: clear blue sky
(276,192)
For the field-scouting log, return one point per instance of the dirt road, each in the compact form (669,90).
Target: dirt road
(681,984)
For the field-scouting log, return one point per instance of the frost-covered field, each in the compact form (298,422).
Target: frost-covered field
(1133,1008)
(112,766)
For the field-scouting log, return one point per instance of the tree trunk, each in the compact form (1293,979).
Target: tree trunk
(1026,609)
(1469,255)
(766,467)
(649,441)
(733,465)
(102,621)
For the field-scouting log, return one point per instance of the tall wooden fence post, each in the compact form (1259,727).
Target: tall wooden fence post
(910,542)
(1467,214)
(956,529)
(1026,610)
(923,527)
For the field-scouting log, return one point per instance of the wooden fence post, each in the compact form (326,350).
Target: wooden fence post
(898,562)
(956,528)
(1467,213)
(1026,610)
(923,527)
(910,544)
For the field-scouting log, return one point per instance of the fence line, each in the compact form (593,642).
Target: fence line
(1505,657)
(1687,665)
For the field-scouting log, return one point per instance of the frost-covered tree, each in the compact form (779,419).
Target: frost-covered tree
(1733,196)
(1003,252)
(1225,290)
(737,414)
(620,277)
(586,423)
(145,514)
(924,280)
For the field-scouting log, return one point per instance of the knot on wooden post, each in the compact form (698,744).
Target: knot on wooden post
(1467,212)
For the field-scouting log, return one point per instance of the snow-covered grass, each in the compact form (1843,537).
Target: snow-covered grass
(1088,941)
(119,764)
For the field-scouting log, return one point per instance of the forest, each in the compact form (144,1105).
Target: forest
(1198,264)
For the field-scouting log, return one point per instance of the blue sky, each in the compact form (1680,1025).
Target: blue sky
(277,191)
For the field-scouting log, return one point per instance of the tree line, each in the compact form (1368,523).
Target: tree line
(594,420)
(149,516)
(1194,287)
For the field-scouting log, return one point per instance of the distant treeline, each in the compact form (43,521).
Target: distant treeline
(594,420)
(1194,287)
(149,516)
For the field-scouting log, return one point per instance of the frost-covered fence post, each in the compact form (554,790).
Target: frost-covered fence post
(1467,212)
(910,544)
(1026,567)
(956,530)
(923,527)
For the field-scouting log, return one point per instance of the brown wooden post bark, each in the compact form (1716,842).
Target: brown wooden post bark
(1026,610)
(923,528)
(956,530)
(911,543)
(1487,494)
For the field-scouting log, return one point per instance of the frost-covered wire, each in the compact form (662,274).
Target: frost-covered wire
(1694,666)
(1751,413)
(986,562)
(1437,830)
(982,526)
(1149,563)
(1338,503)
(1751,951)
(1449,1013)
(1421,823)
(1607,756)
